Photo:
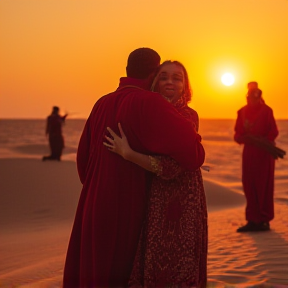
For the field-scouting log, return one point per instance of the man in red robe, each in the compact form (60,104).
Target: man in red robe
(255,128)
(112,203)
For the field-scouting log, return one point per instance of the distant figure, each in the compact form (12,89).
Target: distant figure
(256,129)
(54,132)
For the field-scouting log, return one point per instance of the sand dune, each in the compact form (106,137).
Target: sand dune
(37,207)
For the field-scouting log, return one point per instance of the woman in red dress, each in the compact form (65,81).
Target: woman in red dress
(172,251)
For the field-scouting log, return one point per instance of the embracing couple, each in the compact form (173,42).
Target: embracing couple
(141,219)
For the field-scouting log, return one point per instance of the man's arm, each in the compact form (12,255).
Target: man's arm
(240,134)
(47,126)
(164,131)
(163,166)
(273,129)
(83,152)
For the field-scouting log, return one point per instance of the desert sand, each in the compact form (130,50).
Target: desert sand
(37,207)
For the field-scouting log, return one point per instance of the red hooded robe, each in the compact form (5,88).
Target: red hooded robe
(257,164)
(112,204)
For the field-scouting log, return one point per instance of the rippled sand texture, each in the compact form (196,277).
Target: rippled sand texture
(245,259)
(37,207)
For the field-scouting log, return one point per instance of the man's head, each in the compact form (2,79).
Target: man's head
(142,62)
(55,109)
(254,96)
(252,85)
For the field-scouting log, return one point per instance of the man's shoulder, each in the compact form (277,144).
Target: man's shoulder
(268,108)
(51,117)
(146,94)
(192,111)
(137,91)
(242,109)
(103,98)
(135,94)
(141,96)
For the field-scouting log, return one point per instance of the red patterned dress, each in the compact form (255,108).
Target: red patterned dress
(172,251)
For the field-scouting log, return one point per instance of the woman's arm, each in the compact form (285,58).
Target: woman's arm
(120,145)
(163,166)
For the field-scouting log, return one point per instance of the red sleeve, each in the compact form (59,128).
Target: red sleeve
(167,167)
(239,129)
(273,130)
(164,131)
(83,152)
(47,126)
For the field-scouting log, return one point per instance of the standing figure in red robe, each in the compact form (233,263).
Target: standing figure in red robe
(172,251)
(112,204)
(255,127)
(54,132)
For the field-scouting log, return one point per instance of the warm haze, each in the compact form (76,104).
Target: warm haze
(70,53)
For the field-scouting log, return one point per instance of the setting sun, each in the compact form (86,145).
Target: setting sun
(50,53)
(227,79)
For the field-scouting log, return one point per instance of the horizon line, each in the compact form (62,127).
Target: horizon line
(83,118)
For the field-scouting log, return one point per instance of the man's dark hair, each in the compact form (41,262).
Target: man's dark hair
(142,62)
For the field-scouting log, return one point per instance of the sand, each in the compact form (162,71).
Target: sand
(37,207)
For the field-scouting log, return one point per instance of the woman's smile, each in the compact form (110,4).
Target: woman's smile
(171,81)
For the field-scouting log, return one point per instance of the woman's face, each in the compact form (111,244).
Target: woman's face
(171,81)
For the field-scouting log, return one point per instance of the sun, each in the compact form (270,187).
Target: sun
(227,79)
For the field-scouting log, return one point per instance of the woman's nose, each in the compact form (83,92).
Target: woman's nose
(170,80)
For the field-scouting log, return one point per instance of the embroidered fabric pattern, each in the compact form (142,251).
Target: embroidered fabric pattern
(156,165)
(172,251)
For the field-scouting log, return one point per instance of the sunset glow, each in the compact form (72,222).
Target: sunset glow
(70,53)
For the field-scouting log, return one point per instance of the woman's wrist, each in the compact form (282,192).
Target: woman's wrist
(128,154)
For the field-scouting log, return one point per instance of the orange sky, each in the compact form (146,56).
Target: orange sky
(69,53)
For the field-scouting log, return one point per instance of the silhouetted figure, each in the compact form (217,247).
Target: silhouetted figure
(54,132)
(256,129)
